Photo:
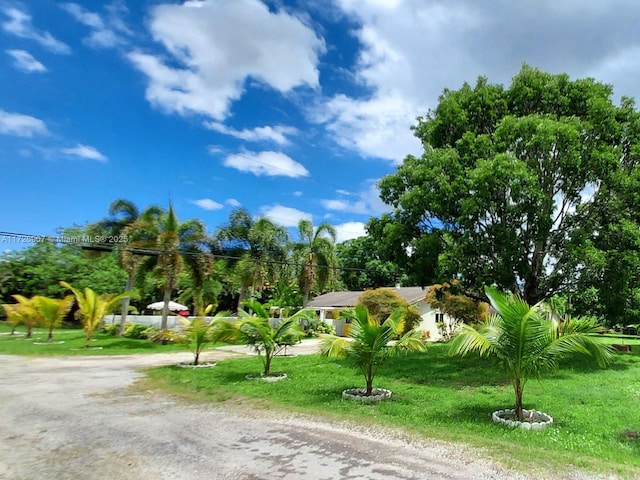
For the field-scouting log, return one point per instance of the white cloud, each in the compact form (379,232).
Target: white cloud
(21,125)
(277,134)
(285,216)
(102,35)
(24,61)
(85,151)
(207,204)
(271,164)
(347,231)
(19,24)
(218,46)
(412,49)
(297,193)
(368,202)
(232,202)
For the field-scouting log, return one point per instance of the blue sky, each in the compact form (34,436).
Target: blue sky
(291,109)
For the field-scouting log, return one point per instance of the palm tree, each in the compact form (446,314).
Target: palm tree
(93,307)
(369,344)
(317,253)
(258,332)
(23,312)
(174,241)
(199,331)
(260,244)
(526,342)
(127,222)
(52,311)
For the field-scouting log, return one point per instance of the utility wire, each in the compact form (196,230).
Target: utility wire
(89,242)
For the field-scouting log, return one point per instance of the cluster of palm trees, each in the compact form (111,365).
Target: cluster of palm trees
(256,253)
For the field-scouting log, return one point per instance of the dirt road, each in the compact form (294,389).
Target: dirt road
(74,418)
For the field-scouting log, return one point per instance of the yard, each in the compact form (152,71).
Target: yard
(596,413)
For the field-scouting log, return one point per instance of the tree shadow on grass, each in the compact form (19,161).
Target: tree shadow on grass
(127,345)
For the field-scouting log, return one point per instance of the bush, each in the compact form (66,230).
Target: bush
(166,337)
(110,329)
(314,328)
(137,331)
(381,303)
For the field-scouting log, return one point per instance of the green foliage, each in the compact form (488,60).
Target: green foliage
(51,312)
(138,331)
(110,329)
(382,302)
(367,264)
(369,346)
(526,343)
(258,331)
(199,332)
(38,269)
(316,253)
(93,307)
(512,181)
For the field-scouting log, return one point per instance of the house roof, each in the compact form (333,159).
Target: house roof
(350,299)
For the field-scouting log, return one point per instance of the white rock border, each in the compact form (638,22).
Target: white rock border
(539,420)
(274,377)
(200,365)
(358,395)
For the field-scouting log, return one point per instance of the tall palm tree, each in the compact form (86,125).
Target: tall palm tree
(176,244)
(369,344)
(127,222)
(526,341)
(260,244)
(316,250)
(93,307)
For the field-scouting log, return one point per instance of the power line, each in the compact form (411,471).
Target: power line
(92,242)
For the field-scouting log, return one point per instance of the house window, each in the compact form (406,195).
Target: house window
(440,317)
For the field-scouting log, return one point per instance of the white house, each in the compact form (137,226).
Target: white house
(330,304)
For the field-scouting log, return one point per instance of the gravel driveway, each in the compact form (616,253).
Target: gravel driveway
(74,418)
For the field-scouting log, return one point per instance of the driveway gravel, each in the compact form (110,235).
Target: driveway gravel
(75,418)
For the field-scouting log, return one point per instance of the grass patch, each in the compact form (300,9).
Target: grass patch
(74,343)
(436,396)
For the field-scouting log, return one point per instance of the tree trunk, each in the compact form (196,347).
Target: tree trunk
(125,305)
(242,297)
(197,359)
(88,342)
(165,308)
(369,386)
(29,331)
(305,299)
(517,386)
(267,362)
(50,337)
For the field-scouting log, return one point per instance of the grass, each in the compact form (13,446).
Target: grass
(451,399)
(74,343)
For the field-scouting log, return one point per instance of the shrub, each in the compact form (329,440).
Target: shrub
(382,302)
(166,337)
(136,331)
(110,329)
(314,328)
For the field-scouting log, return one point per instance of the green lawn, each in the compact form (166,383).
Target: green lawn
(436,396)
(74,343)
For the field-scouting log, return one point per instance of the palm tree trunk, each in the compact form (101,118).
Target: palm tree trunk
(50,337)
(242,297)
(165,308)
(125,305)
(29,331)
(267,362)
(305,299)
(88,342)
(518,387)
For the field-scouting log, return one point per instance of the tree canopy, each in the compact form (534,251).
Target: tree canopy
(513,180)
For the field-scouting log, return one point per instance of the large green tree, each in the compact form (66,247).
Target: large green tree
(510,177)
